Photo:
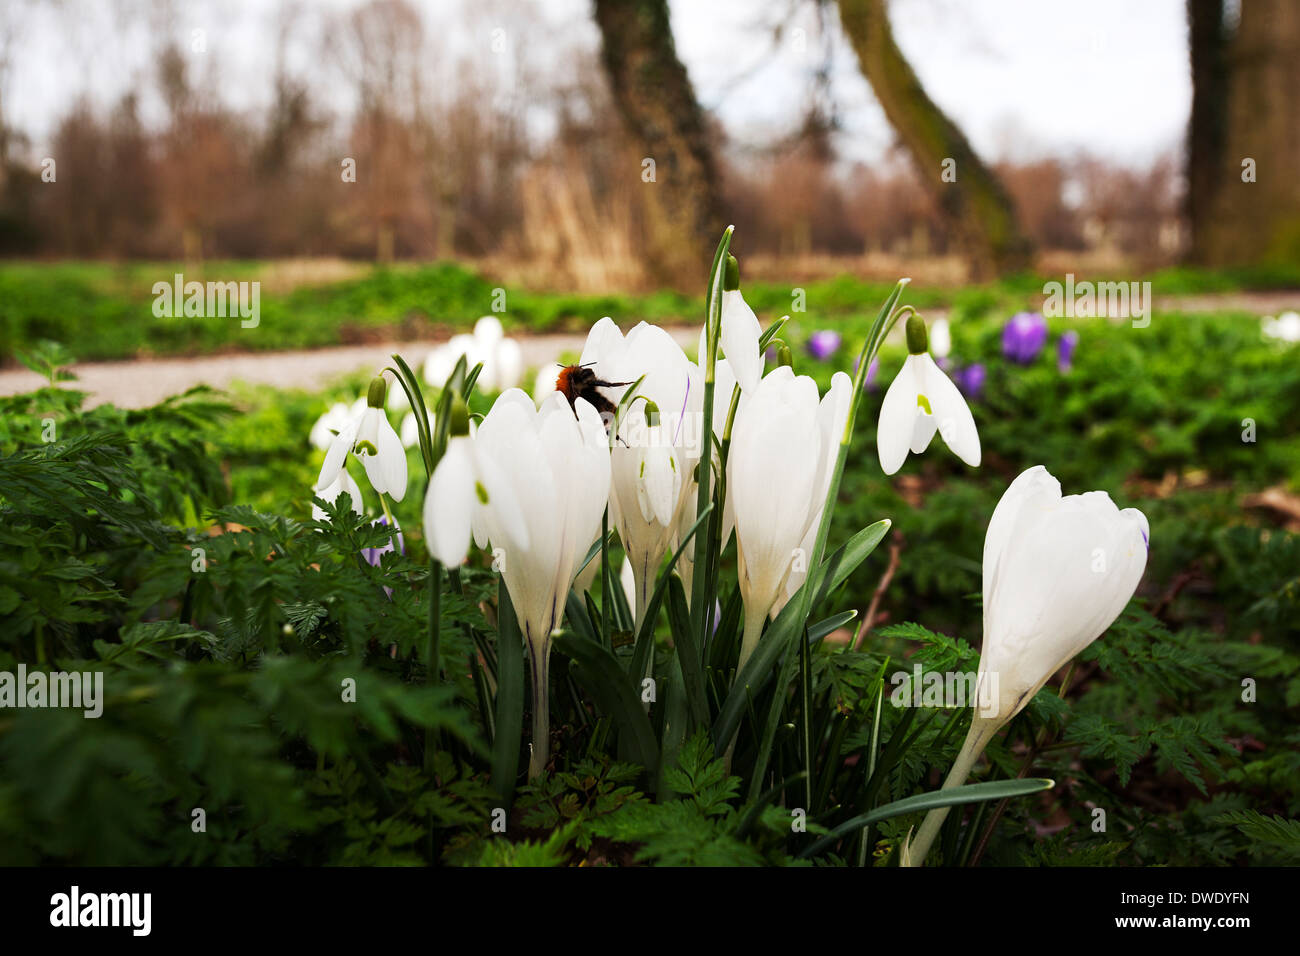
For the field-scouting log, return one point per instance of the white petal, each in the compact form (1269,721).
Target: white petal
(952,415)
(1063,569)
(897,425)
(449,503)
(331,493)
(658,485)
(739,339)
(604,343)
(337,454)
(387,469)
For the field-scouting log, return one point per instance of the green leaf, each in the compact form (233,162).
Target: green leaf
(510,697)
(604,678)
(846,560)
(956,796)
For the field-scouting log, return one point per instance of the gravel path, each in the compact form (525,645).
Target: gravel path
(145,382)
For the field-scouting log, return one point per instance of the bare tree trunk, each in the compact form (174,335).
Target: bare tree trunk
(1208,127)
(1255,213)
(653,94)
(975,204)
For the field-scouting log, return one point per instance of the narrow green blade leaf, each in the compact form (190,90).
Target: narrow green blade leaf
(846,560)
(603,677)
(970,793)
(510,698)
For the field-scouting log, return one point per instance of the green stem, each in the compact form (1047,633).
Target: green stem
(606,581)
(753,631)
(981,732)
(433,662)
(539,661)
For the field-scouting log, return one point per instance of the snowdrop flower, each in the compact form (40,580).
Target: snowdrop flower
(740,332)
(502,357)
(921,401)
(1057,572)
(556,462)
(410,430)
(1284,328)
(330,493)
(466,482)
(371,438)
(1024,336)
(783,444)
(544,383)
(440,363)
(940,339)
(1065,347)
(658,443)
(334,421)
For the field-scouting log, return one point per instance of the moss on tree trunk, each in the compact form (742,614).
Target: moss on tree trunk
(975,205)
(657,104)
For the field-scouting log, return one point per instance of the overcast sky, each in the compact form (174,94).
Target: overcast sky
(1023,78)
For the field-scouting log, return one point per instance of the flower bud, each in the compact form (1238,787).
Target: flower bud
(918,340)
(731,274)
(459,417)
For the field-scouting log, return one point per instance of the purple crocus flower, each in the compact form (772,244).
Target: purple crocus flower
(869,382)
(823,344)
(373,556)
(1065,351)
(1024,336)
(971,380)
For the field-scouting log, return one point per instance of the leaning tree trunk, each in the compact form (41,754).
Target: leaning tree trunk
(1208,127)
(654,98)
(1255,211)
(974,204)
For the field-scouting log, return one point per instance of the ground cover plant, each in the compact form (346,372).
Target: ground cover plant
(108,309)
(325,692)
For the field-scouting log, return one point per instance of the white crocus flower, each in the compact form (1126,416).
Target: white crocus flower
(921,401)
(627,581)
(783,442)
(724,388)
(557,465)
(372,439)
(344,482)
(463,484)
(832,415)
(1058,571)
(658,441)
